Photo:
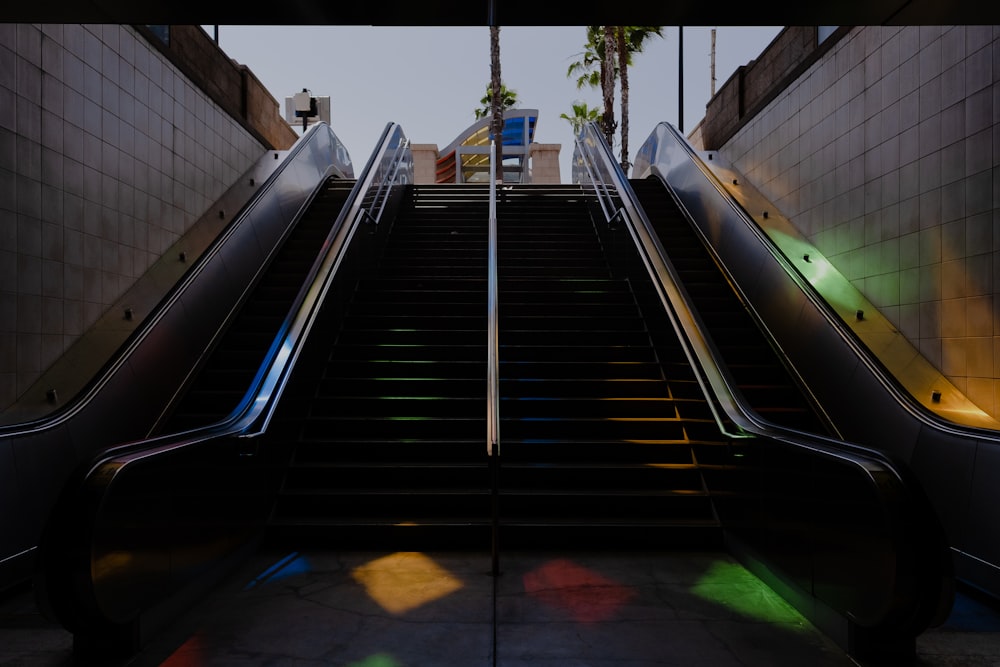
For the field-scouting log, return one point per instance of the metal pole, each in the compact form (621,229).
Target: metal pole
(680,78)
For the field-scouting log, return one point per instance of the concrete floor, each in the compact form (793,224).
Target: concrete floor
(436,609)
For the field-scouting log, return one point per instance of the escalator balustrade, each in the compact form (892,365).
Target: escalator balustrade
(229,368)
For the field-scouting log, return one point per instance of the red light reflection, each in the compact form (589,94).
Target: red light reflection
(189,654)
(587,596)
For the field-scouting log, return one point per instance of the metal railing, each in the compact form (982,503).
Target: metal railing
(595,166)
(493,361)
(394,167)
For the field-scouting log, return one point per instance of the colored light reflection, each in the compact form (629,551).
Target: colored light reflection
(404,581)
(189,654)
(732,586)
(587,596)
(289,565)
(379,660)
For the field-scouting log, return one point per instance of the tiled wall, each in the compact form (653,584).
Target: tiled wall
(886,154)
(107,155)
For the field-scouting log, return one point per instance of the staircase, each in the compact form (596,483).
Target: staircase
(756,367)
(599,431)
(230,367)
(603,433)
(389,435)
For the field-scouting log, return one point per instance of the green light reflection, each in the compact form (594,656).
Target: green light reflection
(378,660)
(734,587)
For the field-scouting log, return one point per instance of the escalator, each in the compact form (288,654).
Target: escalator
(222,380)
(118,394)
(765,382)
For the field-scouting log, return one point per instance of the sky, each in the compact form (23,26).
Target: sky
(430,80)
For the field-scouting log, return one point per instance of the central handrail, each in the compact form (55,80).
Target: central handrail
(492,355)
(493,363)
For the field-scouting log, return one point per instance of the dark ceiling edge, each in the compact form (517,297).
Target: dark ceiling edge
(471,13)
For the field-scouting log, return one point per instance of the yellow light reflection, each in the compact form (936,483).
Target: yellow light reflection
(403,581)
(111,563)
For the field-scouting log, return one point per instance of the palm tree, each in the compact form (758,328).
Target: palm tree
(607,55)
(596,69)
(582,114)
(508,100)
(587,70)
(608,84)
(495,87)
(631,40)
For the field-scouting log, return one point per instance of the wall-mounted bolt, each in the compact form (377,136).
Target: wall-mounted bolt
(128,313)
(860,315)
(806,258)
(275,156)
(736,181)
(936,396)
(765,215)
(51,396)
(183,256)
(222,214)
(252,182)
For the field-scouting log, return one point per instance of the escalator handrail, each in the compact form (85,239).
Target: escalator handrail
(86,492)
(365,203)
(886,478)
(607,178)
(62,414)
(689,324)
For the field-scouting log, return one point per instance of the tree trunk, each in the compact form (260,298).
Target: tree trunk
(623,74)
(608,84)
(497,105)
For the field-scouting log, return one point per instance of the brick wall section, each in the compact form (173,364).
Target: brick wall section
(754,85)
(263,113)
(229,84)
(884,154)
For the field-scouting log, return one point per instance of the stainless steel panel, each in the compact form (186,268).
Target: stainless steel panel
(14,525)
(978,463)
(947,466)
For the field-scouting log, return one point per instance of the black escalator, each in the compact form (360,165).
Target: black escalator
(756,368)
(385,426)
(601,431)
(229,368)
